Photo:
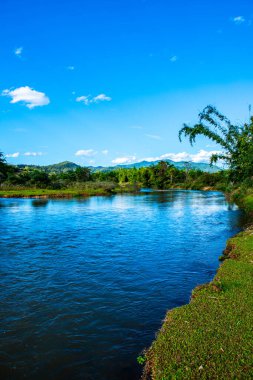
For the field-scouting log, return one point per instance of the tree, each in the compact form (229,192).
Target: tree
(2,159)
(161,175)
(39,178)
(83,174)
(3,167)
(236,141)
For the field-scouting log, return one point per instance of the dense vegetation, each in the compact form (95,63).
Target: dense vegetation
(160,176)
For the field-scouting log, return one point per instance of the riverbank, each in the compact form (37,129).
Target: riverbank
(83,192)
(211,337)
(46,193)
(63,193)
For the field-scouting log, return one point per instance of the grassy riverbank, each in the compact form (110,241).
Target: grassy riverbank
(47,193)
(64,193)
(211,338)
(78,192)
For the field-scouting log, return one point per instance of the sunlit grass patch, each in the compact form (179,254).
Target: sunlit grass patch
(62,193)
(212,337)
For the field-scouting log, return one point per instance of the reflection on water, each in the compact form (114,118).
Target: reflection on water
(86,282)
(39,202)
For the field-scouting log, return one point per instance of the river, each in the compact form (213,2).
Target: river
(85,283)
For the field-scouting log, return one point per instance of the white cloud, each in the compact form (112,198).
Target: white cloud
(239,20)
(174,58)
(96,99)
(31,98)
(18,51)
(201,156)
(71,68)
(102,98)
(154,137)
(84,99)
(124,160)
(86,152)
(13,155)
(105,152)
(204,156)
(33,154)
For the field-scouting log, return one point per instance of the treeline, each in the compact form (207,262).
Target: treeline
(160,176)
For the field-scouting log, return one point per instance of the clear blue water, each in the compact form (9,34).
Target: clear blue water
(86,283)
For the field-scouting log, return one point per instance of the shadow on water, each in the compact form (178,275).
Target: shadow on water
(39,202)
(8,203)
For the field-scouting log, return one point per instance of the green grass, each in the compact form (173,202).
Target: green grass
(243,197)
(212,337)
(88,189)
(63,193)
(248,203)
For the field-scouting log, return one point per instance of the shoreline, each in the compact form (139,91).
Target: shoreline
(211,336)
(76,193)
(52,194)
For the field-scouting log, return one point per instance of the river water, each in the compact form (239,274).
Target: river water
(85,283)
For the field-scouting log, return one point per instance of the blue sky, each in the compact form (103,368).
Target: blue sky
(103,82)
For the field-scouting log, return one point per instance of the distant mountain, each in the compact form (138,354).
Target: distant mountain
(62,167)
(67,165)
(180,165)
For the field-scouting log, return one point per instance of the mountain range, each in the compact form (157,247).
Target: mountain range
(67,165)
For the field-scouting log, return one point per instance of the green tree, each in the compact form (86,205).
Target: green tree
(161,176)
(145,176)
(83,174)
(4,167)
(236,141)
(39,178)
